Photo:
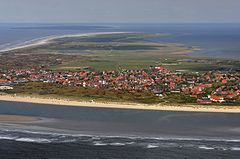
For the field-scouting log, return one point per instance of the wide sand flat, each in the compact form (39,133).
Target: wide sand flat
(17,119)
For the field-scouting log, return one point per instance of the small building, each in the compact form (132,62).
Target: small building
(4,88)
(204,101)
(158,93)
(216,98)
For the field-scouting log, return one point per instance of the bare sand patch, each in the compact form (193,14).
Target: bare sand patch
(17,119)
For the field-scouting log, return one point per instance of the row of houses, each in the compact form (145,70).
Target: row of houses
(212,86)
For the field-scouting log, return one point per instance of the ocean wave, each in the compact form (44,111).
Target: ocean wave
(206,147)
(100,137)
(45,133)
(117,144)
(150,146)
(36,140)
(68,141)
(194,139)
(137,141)
(235,148)
(99,144)
(7,138)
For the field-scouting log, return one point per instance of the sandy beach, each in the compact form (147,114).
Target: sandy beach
(46,40)
(61,102)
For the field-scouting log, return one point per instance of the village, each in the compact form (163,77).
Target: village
(206,88)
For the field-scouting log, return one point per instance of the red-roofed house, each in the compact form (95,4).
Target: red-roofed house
(231,95)
(3,81)
(216,98)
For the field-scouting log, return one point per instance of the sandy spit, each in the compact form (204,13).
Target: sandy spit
(46,40)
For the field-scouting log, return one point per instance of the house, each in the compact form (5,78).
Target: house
(158,92)
(216,98)
(204,101)
(231,95)
(4,88)
(3,81)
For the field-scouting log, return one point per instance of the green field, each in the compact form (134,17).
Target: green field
(121,50)
(55,91)
(109,52)
(48,90)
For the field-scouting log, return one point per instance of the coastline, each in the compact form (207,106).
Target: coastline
(45,40)
(63,102)
(159,107)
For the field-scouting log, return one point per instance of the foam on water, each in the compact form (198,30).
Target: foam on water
(99,144)
(37,140)
(235,148)
(206,147)
(7,138)
(117,144)
(97,137)
(98,140)
(150,146)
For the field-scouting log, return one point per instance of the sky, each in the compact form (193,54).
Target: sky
(120,11)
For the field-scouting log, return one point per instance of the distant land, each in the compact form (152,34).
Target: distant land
(119,67)
(108,51)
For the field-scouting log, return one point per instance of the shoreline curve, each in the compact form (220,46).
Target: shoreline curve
(136,106)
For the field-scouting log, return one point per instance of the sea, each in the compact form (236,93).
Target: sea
(214,40)
(66,132)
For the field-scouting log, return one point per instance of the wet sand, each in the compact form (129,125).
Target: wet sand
(81,132)
(124,122)
(17,119)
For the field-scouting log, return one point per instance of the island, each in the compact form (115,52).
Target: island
(125,69)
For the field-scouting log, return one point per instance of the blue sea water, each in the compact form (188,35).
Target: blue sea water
(95,133)
(91,133)
(14,34)
(214,40)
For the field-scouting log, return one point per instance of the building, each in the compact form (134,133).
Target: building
(216,98)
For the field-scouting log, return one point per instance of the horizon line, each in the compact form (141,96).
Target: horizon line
(119,22)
